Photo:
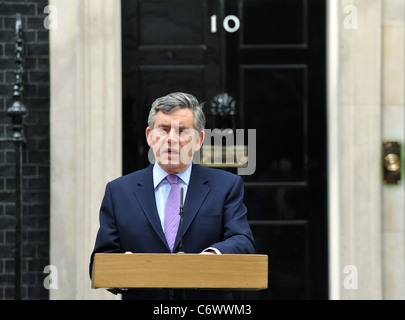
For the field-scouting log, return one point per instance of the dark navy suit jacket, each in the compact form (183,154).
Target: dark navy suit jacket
(214,216)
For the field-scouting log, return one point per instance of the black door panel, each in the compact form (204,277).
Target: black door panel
(269,55)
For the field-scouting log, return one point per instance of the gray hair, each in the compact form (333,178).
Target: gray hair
(175,101)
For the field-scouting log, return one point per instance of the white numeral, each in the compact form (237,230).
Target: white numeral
(213,24)
(226,23)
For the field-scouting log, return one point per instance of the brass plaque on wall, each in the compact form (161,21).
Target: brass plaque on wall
(224,156)
(392,162)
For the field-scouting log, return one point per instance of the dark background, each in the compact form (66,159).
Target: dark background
(36,152)
(274,67)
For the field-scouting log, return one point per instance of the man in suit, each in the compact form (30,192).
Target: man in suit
(133,216)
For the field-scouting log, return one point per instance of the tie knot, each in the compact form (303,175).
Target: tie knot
(172,178)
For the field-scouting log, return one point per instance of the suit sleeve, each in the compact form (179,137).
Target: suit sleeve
(237,235)
(107,240)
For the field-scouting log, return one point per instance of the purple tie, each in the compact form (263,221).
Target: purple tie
(172,216)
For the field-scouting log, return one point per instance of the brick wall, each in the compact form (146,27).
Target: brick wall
(36,153)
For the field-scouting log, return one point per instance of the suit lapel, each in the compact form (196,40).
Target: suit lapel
(198,190)
(144,192)
(196,193)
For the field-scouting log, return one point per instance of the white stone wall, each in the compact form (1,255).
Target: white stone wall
(366,107)
(393,129)
(85,52)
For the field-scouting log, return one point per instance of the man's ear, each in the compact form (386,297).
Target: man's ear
(149,137)
(198,145)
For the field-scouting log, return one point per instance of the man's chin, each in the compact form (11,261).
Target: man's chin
(172,166)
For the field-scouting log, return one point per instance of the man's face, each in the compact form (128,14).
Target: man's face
(174,139)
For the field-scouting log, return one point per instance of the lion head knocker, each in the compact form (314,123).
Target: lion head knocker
(223,108)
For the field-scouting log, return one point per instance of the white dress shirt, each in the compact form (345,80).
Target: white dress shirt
(162,189)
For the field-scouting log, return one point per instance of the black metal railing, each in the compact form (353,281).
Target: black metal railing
(17,112)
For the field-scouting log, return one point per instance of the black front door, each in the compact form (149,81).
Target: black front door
(269,56)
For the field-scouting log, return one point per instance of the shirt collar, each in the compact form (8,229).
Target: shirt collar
(159,174)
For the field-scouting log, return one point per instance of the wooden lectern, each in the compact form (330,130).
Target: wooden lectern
(196,271)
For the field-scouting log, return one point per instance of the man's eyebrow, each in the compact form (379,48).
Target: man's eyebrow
(165,125)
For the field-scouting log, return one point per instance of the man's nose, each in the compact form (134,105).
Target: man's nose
(173,135)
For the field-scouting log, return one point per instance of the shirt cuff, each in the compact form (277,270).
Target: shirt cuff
(212,249)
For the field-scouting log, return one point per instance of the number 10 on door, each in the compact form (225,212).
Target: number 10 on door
(231,23)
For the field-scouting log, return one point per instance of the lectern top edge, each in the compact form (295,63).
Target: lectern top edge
(144,270)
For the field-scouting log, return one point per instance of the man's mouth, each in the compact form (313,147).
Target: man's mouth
(172,151)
